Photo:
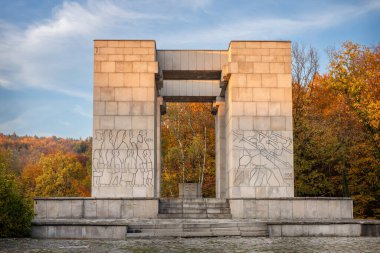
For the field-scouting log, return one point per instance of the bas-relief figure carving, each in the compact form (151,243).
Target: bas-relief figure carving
(263,158)
(122,158)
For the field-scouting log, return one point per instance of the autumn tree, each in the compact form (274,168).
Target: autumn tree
(309,179)
(188,147)
(354,76)
(336,128)
(57,175)
(355,73)
(16,210)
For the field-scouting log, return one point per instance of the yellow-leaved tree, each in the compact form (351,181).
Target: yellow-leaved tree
(355,73)
(60,175)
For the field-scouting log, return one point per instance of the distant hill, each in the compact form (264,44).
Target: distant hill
(28,149)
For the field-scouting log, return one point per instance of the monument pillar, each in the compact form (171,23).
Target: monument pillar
(258,121)
(220,150)
(160,107)
(124,118)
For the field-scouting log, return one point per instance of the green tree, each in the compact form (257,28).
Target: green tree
(16,210)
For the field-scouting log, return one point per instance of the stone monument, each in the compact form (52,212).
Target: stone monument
(249,85)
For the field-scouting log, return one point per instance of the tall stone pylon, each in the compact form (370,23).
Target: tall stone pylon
(124,118)
(258,120)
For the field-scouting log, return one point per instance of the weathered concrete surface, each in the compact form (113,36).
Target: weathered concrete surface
(124,228)
(190,88)
(95,208)
(192,59)
(190,190)
(194,208)
(258,121)
(347,227)
(292,208)
(196,228)
(124,157)
(129,75)
(80,232)
(220,149)
(124,208)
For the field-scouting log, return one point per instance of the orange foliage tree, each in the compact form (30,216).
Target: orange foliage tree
(188,148)
(336,130)
(57,175)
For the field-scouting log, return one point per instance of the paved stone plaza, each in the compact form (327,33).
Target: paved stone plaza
(209,245)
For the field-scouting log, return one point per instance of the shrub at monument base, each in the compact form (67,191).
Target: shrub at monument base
(16,210)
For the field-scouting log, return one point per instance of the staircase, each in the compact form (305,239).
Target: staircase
(196,228)
(194,208)
(195,217)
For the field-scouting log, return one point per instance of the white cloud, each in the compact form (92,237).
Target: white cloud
(272,28)
(56,54)
(82,112)
(4,83)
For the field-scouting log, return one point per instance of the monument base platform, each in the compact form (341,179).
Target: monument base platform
(119,229)
(121,218)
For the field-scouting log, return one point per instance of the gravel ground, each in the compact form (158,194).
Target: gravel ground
(220,244)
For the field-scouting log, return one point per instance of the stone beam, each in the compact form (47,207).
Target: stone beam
(191,74)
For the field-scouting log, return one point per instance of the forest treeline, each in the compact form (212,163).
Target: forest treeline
(39,167)
(336,123)
(336,143)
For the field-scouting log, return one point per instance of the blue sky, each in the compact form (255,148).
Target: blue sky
(46,47)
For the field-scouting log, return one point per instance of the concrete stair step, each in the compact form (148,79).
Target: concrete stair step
(180,210)
(194,216)
(219,216)
(193,200)
(178,205)
(195,210)
(198,229)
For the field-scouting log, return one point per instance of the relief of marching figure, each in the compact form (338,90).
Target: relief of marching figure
(122,157)
(263,158)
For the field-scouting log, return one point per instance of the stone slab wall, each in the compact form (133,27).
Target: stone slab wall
(192,59)
(124,113)
(112,232)
(295,230)
(292,208)
(259,133)
(190,88)
(90,208)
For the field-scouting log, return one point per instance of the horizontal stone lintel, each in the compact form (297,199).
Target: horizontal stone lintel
(188,99)
(191,74)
